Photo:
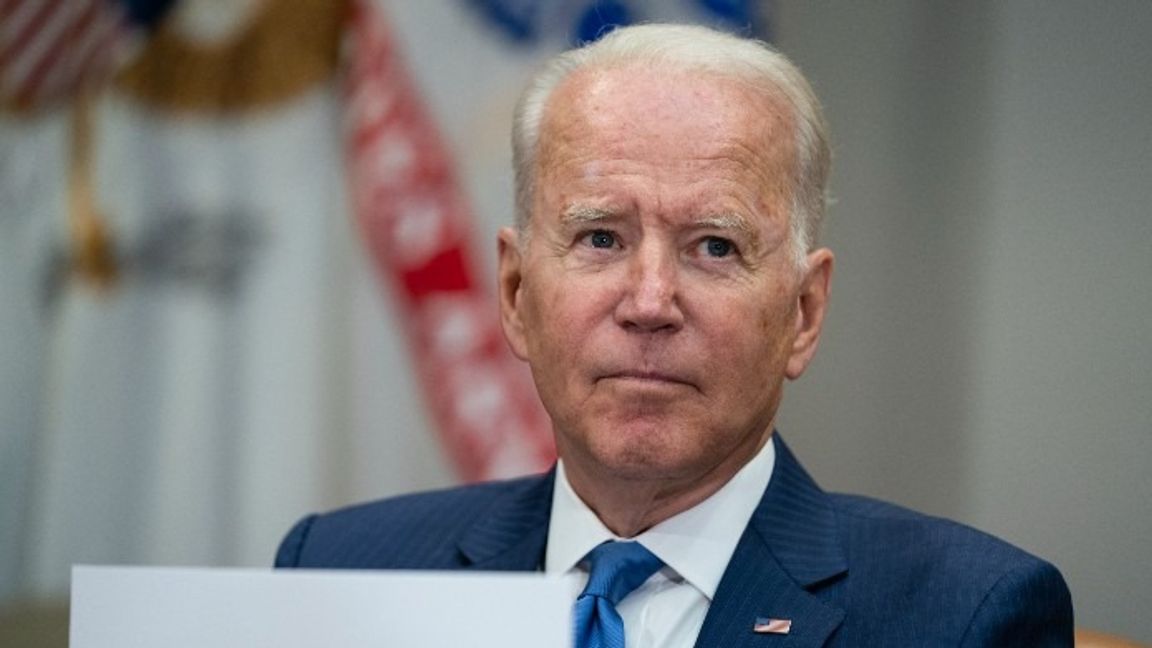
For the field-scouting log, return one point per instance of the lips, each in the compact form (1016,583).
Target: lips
(654,378)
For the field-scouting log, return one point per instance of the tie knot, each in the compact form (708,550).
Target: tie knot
(617,568)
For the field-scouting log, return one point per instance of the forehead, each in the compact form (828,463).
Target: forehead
(669,118)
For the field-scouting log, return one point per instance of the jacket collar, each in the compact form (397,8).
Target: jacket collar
(513,536)
(797,522)
(789,550)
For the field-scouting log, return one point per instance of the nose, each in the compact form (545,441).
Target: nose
(651,299)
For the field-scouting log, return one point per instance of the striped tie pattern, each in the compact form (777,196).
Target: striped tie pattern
(617,568)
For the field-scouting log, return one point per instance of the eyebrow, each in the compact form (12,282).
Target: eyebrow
(726,222)
(578,214)
(582,214)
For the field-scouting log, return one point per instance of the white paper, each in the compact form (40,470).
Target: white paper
(127,607)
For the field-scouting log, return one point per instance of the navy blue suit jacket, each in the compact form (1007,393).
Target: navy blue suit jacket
(846,570)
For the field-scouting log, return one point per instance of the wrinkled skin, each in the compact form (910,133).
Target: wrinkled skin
(655,294)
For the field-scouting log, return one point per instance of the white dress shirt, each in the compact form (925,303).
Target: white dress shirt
(668,610)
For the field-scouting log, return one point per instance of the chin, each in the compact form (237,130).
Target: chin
(656,455)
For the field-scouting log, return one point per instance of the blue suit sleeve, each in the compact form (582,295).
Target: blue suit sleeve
(288,555)
(1029,606)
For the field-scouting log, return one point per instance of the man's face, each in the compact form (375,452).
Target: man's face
(656,297)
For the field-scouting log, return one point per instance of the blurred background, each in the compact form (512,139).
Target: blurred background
(247,269)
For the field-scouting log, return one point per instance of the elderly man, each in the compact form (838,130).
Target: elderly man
(662,282)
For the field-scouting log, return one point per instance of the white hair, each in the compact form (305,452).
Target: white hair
(690,48)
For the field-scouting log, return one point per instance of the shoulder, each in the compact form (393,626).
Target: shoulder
(902,535)
(414,531)
(974,585)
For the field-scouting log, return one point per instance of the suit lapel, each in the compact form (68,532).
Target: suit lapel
(512,537)
(790,547)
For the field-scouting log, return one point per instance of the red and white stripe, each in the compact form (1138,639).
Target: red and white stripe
(772,626)
(417,225)
(49,49)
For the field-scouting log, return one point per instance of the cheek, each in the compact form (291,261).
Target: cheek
(777,330)
(558,314)
(755,342)
(539,327)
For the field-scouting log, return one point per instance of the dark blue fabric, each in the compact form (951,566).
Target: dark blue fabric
(516,19)
(146,13)
(525,22)
(600,18)
(846,570)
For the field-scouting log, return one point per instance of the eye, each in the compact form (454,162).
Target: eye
(718,247)
(601,239)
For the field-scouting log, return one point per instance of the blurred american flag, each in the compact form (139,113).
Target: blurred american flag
(50,49)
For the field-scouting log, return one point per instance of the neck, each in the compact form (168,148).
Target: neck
(629,505)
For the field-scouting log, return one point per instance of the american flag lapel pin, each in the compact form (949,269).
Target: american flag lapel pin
(764,625)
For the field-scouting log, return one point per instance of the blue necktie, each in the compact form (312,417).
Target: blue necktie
(617,568)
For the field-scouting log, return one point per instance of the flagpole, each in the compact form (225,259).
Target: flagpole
(90,242)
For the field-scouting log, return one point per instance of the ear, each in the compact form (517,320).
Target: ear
(812,303)
(511,279)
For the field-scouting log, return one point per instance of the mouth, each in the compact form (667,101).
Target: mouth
(649,378)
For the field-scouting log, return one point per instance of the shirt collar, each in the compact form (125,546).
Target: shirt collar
(697,543)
